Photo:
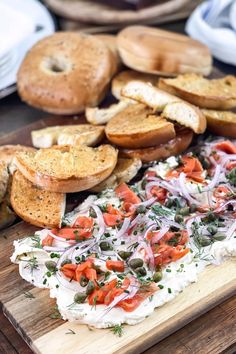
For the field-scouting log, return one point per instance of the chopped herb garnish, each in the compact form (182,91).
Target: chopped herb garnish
(118,330)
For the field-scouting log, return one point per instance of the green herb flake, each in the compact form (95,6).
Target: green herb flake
(118,330)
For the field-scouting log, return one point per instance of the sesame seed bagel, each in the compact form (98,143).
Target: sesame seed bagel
(65,72)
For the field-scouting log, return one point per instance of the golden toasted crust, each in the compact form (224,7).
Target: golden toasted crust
(151,50)
(221,122)
(174,147)
(205,93)
(8,152)
(82,134)
(173,107)
(68,169)
(125,170)
(137,127)
(65,72)
(34,205)
(121,79)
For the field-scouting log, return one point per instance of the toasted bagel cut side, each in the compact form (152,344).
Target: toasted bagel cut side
(137,127)
(121,79)
(8,152)
(221,122)
(67,168)
(156,153)
(205,93)
(97,115)
(125,170)
(34,205)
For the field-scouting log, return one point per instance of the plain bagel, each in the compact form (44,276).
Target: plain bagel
(154,51)
(65,72)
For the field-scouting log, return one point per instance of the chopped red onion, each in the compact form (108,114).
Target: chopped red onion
(160,234)
(100,221)
(123,228)
(182,183)
(231,230)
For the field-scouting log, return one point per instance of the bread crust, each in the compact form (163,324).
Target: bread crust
(36,206)
(74,182)
(121,79)
(157,51)
(8,152)
(221,122)
(65,72)
(137,127)
(203,100)
(174,147)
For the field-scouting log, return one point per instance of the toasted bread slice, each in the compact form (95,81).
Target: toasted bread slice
(4,175)
(34,205)
(82,134)
(7,216)
(187,115)
(121,79)
(205,93)
(148,94)
(125,170)
(137,127)
(221,122)
(156,153)
(8,152)
(67,168)
(180,111)
(103,115)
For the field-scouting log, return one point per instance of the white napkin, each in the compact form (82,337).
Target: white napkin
(214,24)
(15,26)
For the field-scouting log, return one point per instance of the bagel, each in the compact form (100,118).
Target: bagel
(156,51)
(156,153)
(110,41)
(65,72)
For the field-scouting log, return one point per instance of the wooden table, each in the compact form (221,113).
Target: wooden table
(213,332)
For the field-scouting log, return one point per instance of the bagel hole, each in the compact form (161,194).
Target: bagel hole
(56,66)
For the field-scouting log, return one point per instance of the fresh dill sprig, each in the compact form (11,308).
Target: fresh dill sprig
(36,241)
(32,263)
(118,330)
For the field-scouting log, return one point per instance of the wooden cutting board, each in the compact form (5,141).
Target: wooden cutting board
(45,335)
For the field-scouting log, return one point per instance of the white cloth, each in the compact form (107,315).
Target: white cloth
(214,24)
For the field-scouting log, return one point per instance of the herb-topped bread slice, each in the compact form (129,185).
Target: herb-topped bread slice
(205,93)
(34,205)
(137,126)
(67,169)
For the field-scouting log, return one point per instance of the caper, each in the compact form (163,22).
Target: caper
(90,287)
(179,218)
(169,203)
(205,163)
(221,224)
(204,241)
(66,261)
(83,281)
(193,208)
(211,216)
(141,271)
(92,213)
(157,276)
(79,298)
(136,263)
(51,266)
(140,209)
(124,254)
(212,229)
(219,236)
(105,246)
(184,211)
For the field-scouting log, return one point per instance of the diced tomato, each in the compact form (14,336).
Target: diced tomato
(126,194)
(84,222)
(112,219)
(72,233)
(226,146)
(221,192)
(47,241)
(160,193)
(117,266)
